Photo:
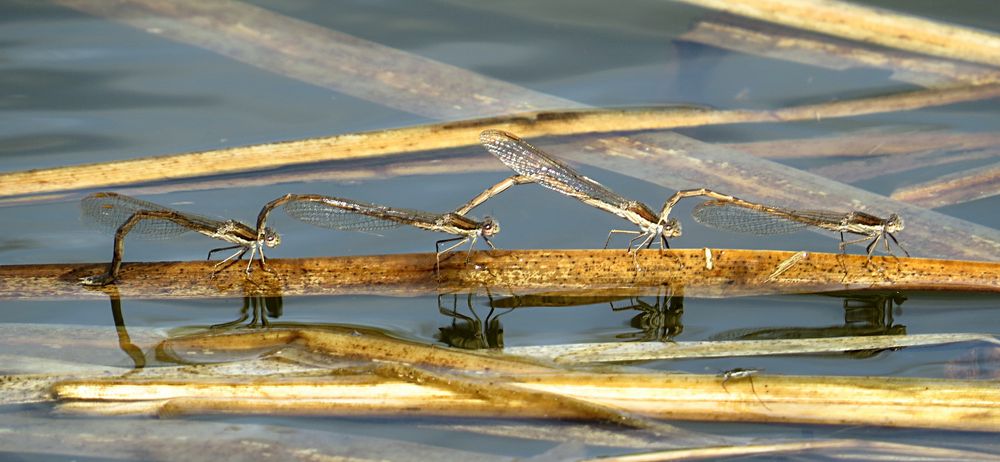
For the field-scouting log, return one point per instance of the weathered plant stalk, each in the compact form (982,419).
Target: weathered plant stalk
(965,186)
(393,142)
(870,25)
(768,40)
(734,272)
(889,401)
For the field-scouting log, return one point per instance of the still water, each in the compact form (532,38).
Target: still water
(78,89)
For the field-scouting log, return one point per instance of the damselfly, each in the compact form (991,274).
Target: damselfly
(351,215)
(124,214)
(733,214)
(533,165)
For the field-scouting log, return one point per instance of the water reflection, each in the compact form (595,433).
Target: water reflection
(471,332)
(658,318)
(260,308)
(642,318)
(124,341)
(864,315)
(656,321)
(257,308)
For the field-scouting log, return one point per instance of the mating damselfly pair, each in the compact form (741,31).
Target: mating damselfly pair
(125,214)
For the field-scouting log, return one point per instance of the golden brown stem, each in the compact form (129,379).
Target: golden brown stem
(520,271)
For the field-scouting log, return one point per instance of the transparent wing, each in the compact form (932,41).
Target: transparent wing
(108,211)
(531,162)
(732,217)
(350,215)
(828,217)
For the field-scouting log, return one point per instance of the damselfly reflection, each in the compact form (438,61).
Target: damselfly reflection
(657,321)
(124,215)
(533,165)
(132,350)
(351,215)
(258,309)
(734,214)
(876,309)
(864,315)
(470,332)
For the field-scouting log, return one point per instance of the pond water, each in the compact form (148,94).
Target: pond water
(79,89)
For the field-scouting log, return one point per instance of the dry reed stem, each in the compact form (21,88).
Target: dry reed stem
(886,401)
(501,393)
(952,192)
(965,186)
(864,144)
(779,43)
(393,142)
(623,398)
(833,449)
(869,144)
(736,272)
(870,25)
(389,167)
(617,352)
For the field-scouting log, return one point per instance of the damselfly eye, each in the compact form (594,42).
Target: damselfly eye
(490,227)
(272,239)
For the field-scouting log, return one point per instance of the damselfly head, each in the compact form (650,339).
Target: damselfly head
(894,223)
(490,227)
(672,228)
(271,238)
